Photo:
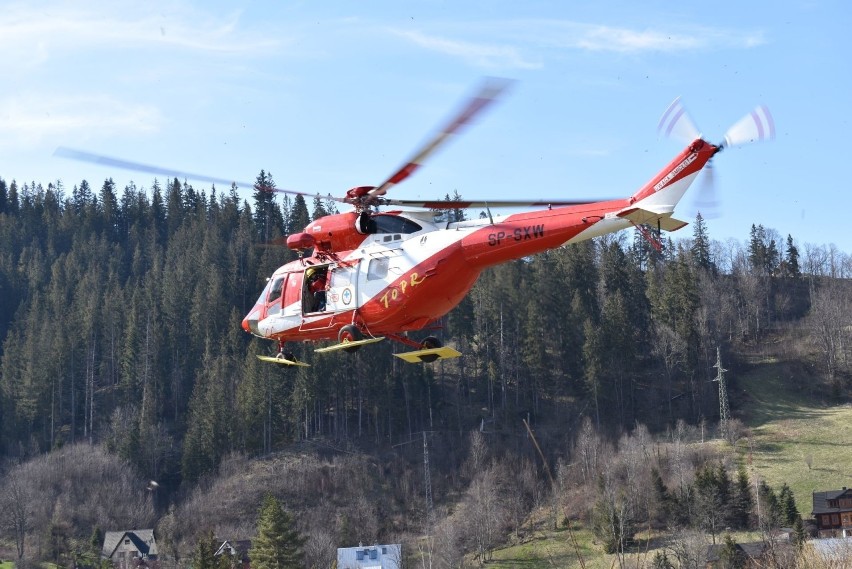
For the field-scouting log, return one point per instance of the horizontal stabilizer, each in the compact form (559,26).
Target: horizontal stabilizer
(663,220)
(282,361)
(344,345)
(429,355)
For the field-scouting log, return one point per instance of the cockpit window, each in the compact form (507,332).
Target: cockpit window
(395,224)
(275,292)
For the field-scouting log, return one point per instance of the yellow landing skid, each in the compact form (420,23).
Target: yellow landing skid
(429,355)
(282,361)
(344,345)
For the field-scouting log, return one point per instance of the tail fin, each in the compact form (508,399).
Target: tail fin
(664,191)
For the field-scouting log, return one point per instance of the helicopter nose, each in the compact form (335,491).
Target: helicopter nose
(250,325)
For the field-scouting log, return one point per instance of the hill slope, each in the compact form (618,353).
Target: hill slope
(791,427)
(788,424)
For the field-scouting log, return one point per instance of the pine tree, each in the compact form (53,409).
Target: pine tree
(787,505)
(278,545)
(109,210)
(661,499)
(4,196)
(661,561)
(204,556)
(267,214)
(319,208)
(800,536)
(299,217)
(742,501)
(791,260)
(701,245)
(731,556)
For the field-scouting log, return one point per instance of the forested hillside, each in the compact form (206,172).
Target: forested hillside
(120,326)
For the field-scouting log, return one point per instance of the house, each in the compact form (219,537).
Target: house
(238,549)
(749,554)
(128,548)
(370,557)
(754,554)
(834,550)
(833,513)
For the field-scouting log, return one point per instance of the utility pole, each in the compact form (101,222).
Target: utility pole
(724,409)
(427,480)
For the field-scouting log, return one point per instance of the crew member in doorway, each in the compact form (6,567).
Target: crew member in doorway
(316,288)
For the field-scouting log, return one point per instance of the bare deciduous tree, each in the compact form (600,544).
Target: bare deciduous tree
(16,503)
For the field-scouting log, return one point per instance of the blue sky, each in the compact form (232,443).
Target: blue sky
(331,95)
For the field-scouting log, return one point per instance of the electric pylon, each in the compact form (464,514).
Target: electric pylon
(724,409)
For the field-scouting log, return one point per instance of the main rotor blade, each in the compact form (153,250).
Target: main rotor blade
(101,160)
(462,204)
(487,94)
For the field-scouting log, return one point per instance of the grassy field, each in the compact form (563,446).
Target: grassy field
(789,426)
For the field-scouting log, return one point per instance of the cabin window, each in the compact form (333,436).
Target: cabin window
(835,520)
(378,268)
(395,224)
(275,292)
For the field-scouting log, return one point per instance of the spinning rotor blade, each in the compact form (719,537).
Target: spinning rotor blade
(461,204)
(756,126)
(487,94)
(79,155)
(706,201)
(100,160)
(676,123)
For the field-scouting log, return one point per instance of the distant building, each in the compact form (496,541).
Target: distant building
(833,513)
(127,549)
(239,549)
(370,557)
(749,554)
(834,550)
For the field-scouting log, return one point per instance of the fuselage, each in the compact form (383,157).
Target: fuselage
(411,269)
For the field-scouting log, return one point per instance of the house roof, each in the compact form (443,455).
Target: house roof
(752,550)
(839,548)
(821,500)
(386,556)
(142,539)
(238,548)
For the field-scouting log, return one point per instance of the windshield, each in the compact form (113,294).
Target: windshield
(262,298)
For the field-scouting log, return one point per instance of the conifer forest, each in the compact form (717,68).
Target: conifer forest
(130,397)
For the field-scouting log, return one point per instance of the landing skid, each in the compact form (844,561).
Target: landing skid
(348,344)
(429,355)
(282,361)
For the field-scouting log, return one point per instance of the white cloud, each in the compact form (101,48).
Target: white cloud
(522,43)
(482,54)
(30,120)
(30,35)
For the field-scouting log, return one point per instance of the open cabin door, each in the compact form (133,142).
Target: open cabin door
(342,290)
(293,295)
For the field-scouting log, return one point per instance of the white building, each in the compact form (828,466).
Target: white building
(370,557)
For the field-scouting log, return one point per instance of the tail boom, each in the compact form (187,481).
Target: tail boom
(666,189)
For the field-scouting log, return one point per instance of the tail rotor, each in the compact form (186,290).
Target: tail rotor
(676,123)
(757,126)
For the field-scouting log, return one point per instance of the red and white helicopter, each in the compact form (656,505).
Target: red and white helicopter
(367,275)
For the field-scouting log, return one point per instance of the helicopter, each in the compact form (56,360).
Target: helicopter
(374,273)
